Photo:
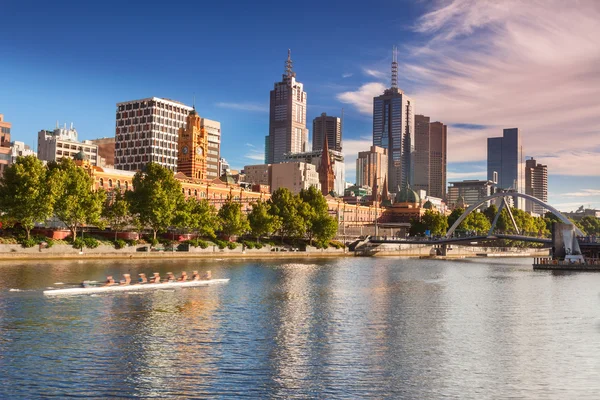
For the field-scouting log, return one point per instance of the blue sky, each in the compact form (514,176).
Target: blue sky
(475,66)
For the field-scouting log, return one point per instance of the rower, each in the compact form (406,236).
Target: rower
(195,276)
(109,281)
(170,278)
(142,278)
(126,279)
(207,276)
(155,278)
(183,277)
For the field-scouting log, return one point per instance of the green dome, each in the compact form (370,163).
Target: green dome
(81,156)
(407,195)
(428,205)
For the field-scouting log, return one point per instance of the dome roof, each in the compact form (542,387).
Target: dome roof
(81,156)
(407,195)
(428,205)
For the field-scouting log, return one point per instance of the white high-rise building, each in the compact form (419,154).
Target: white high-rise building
(63,142)
(287,119)
(146,131)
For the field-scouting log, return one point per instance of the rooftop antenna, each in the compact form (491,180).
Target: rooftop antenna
(289,64)
(194,102)
(394,67)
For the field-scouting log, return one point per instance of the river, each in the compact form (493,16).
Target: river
(325,328)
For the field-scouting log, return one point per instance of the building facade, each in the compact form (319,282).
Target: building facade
(330,127)
(430,156)
(63,142)
(259,174)
(294,176)
(20,149)
(536,185)
(394,130)
(106,151)
(213,157)
(315,157)
(421,159)
(287,118)
(370,166)
(193,148)
(505,157)
(146,131)
(5,151)
(469,192)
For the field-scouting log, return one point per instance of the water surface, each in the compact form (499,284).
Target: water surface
(347,328)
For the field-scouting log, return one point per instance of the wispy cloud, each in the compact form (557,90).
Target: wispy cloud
(583,193)
(362,98)
(375,73)
(347,75)
(256,155)
(250,145)
(466,175)
(244,106)
(351,148)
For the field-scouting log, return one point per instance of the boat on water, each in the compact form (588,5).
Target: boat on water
(131,288)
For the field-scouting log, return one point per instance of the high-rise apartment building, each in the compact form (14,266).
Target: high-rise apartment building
(393,129)
(213,158)
(430,157)
(287,119)
(505,158)
(330,127)
(372,166)
(5,151)
(421,159)
(146,131)
(536,185)
(64,142)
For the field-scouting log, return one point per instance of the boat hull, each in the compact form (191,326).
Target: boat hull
(131,288)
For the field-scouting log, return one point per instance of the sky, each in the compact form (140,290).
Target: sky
(477,66)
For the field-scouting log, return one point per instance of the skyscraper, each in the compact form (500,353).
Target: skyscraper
(287,119)
(213,131)
(329,126)
(536,185)
(438,133)
(393,129)
(147,131)
(422,138)
(505,157)
(371,166)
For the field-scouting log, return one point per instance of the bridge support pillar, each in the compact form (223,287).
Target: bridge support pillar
(444,250)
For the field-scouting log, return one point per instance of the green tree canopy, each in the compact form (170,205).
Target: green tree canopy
(435,222)
(313,209)
(200,217)
(77,204)
(286,206)
(26,196)
(476,222)
(155,197)
(116,211)
(233,220)
(262,222)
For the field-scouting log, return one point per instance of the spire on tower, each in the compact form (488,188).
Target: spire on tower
(394,67)
(289,65)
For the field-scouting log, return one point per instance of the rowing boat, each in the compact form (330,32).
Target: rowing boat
(129,288)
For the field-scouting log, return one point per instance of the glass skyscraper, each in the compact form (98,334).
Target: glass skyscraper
(505,158)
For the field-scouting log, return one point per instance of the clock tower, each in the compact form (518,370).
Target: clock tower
(193,148)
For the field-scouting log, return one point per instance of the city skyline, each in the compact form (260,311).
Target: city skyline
(477,95)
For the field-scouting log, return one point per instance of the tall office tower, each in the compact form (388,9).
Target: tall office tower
(146,131)
(422,138)
(536,185)
(213,158)
(193,148)
(327,126)
(5,151)
(438,133)
(371,166)
(505,158)
(287,119)
(393,129)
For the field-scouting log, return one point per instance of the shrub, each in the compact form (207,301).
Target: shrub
(78,243)
(249,244)
(220,243)
(90,242)
(336,244)
(49,242)
(202,244)
(153,242)
(258,246)
(29,242)
(120,243)
(231,245)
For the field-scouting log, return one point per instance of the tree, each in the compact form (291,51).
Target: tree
(116,212)
(203,218)
(25,195)
(233,220)
(590,225)
(155,197)
(324,229)
(435,222)
(417,227)
(77,204)
(476,222)
(490,212)
(285,205)
(262,223)
(313,208)
(455,215)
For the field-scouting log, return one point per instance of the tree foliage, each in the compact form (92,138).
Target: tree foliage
(313,209)
(116,211)
(285,205)
(262,222)
(77,203)
(233,220)
(25,194)
(435,222)
(155,198)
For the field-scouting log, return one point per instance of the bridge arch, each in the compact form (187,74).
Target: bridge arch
(473,207)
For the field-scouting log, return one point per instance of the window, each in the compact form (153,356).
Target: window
(101,182)
(110,183)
